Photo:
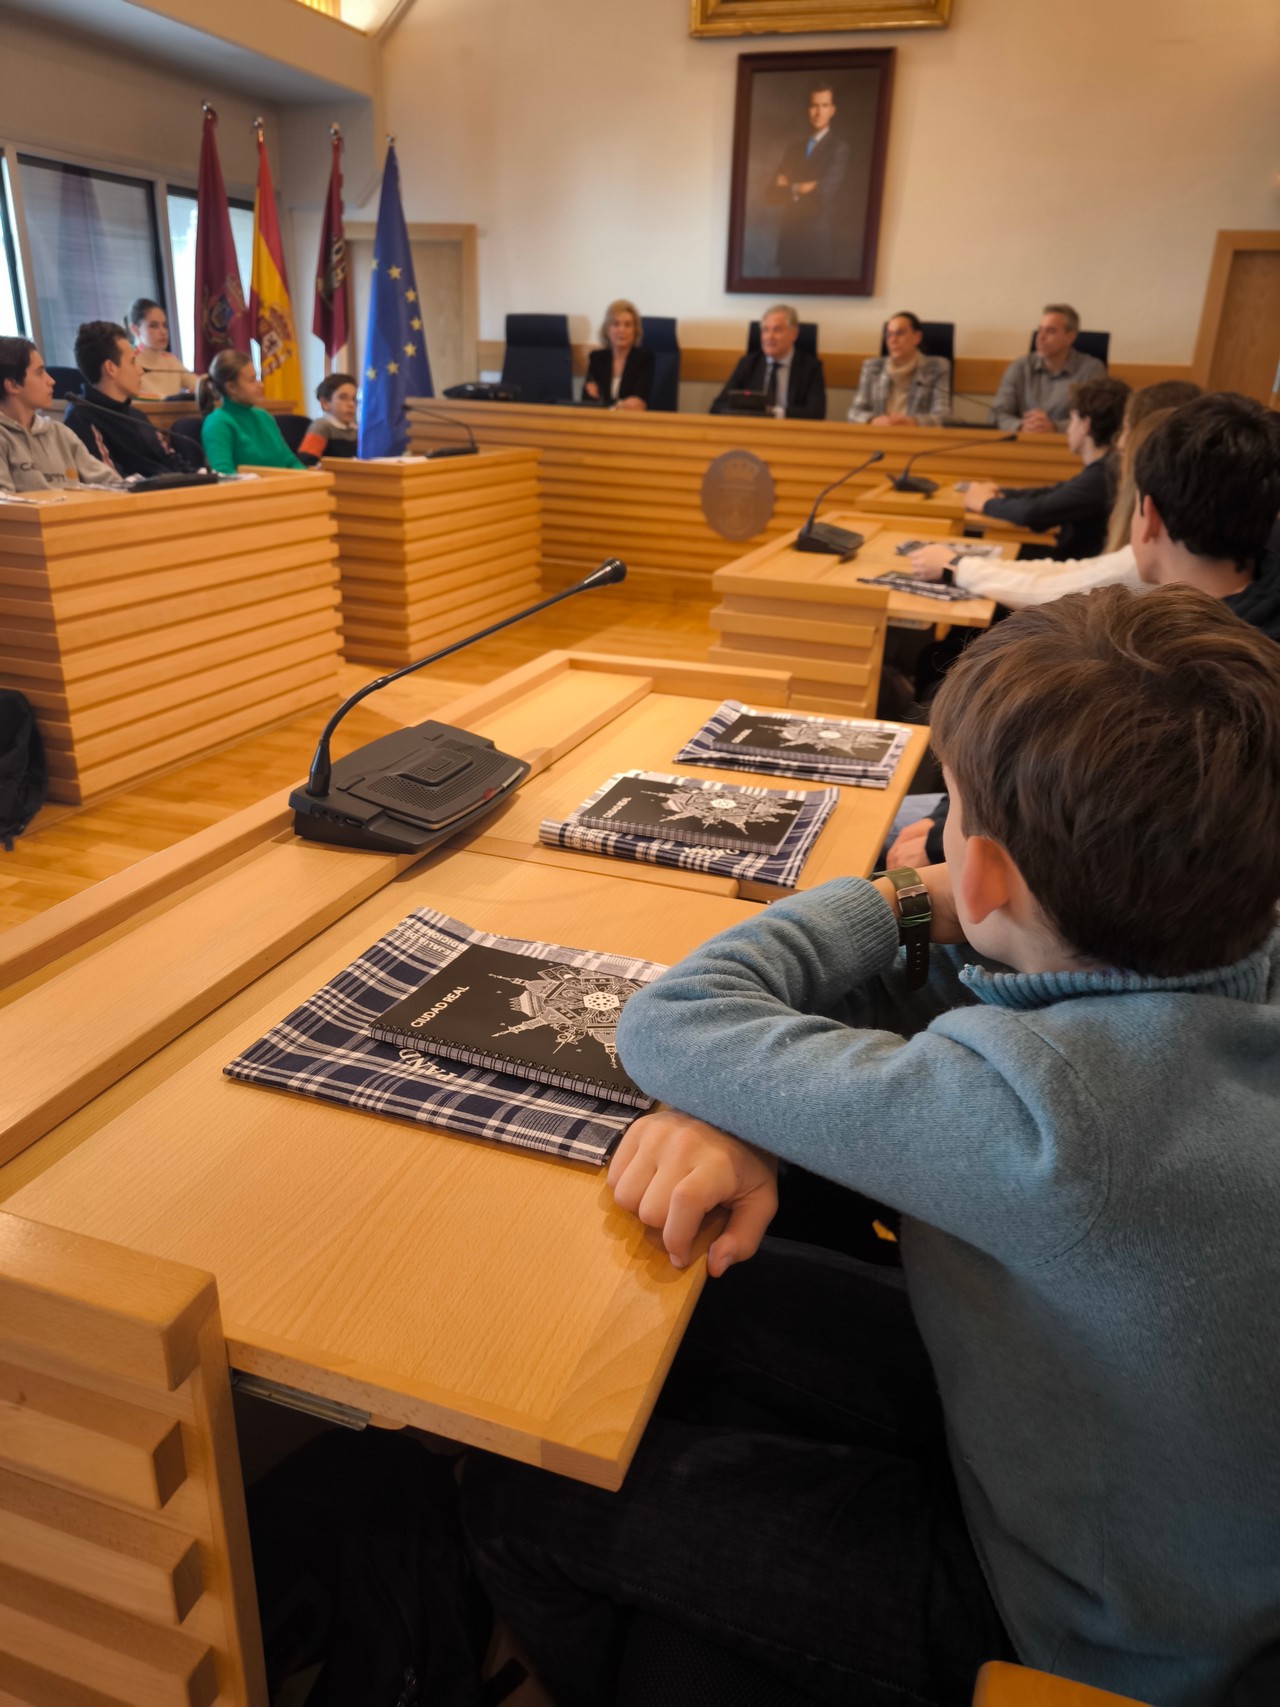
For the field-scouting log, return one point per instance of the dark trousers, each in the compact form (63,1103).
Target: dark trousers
(791,1500)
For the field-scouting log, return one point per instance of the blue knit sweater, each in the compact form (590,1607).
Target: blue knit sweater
(1089,1165)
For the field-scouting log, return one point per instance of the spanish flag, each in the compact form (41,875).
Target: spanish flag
(270,312)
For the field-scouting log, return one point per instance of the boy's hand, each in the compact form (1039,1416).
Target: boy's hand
(909,846)
(672,1170)
(928,563)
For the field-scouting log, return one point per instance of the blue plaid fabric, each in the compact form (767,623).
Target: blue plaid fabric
(781,867)
(321,1050)
(698,750)
(905,583)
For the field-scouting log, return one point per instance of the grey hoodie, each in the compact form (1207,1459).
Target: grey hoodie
(46,457)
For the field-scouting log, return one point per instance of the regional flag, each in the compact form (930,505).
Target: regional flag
(331,321)
(222,322)
(395,350)
(270,312)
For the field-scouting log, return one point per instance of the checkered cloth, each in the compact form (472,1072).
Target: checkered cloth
(698,750)
(923,589)
(781,867)
(321,1050)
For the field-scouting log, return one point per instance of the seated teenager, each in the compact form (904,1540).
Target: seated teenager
(163,375)
(789,378)
(1058,1440)
(37,454)
(106,422)
(1076,508)
(904,388)
(238,432)
(334,432)
(620,375)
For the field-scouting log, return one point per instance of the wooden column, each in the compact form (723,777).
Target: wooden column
(429,551)
(147,628)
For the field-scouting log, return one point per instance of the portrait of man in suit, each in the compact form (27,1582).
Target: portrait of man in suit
(808,163)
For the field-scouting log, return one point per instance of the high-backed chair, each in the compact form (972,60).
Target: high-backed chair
(939,339)
(187,427)
(806,337)
(1089,344)
(660,337)
(293,429)
(65,379)
(539,357)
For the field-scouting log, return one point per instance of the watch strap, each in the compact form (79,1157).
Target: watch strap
(915,917)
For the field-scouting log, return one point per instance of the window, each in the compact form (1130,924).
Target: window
(94,247)
(182,246)
(12,321)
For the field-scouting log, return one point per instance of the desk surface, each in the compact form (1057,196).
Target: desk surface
(947,505)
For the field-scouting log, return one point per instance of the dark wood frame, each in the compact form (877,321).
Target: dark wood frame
(752,65)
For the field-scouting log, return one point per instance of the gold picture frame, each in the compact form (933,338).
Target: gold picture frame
(781,17)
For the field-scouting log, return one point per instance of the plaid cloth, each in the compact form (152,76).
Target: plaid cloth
(321,1050)
(925,589)
(781,867)
(698,750)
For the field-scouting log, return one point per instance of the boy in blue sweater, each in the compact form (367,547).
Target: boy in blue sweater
(1060,1440)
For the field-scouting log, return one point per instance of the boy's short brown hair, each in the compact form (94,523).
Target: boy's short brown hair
(1124,749)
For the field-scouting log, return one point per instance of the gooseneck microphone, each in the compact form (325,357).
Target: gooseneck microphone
(819,536)
(471,448)
(907,482)
(410,790)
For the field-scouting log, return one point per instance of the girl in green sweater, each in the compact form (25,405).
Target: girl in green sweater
(238,433)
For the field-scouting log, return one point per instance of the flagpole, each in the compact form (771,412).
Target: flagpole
(331,357)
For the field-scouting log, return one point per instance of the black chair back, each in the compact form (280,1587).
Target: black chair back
(66,380)
(806,337)
(660,337)
(293,429)
(539,357)
(1088,343)
(939,339)
(187,427)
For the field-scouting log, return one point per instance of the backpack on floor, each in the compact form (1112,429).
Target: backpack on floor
(23,773)
(365,1592)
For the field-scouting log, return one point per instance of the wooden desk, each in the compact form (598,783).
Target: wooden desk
(431,551)
(618,483)
(149,627)
(947,505)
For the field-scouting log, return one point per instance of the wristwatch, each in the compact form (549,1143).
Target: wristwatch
(915,916)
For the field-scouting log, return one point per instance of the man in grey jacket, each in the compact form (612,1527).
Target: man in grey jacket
(36,453)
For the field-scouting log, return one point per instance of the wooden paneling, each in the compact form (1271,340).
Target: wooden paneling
(627,485)
(149,627)
(126,1581)
(1238,344)
(430,551)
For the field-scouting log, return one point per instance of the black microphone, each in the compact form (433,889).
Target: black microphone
(832,541)
(907,482)
(471,448)
(410,790)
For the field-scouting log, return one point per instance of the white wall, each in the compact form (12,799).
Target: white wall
(1085,150)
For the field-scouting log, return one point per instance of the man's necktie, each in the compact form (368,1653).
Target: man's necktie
(810,146)
(771,387)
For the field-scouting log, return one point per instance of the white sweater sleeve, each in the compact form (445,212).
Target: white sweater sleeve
(1040,580)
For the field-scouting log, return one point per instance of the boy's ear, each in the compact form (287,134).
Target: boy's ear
(987,880)
(1150,526)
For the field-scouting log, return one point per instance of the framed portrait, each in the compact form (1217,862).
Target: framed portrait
(810,134)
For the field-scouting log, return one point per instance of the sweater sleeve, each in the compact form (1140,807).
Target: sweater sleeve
(955,1126)
(1044,507)
(90,470)
(218,439)
(1018,585)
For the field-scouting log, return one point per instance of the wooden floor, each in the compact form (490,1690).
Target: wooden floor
(67,848)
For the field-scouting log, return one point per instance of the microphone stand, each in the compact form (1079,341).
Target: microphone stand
(822,537)
(907,482)
(471,448)
(410,790)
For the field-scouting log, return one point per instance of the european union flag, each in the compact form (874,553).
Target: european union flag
(395,350)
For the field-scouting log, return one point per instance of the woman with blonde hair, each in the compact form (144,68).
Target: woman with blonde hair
(620,375)
(236,430)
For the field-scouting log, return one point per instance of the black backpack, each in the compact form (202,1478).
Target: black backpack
(364,1590)
(23,773)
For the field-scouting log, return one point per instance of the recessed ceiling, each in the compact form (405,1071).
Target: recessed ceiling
(177,44)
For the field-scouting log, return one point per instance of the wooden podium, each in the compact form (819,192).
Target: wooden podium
(148,627)
(431,550)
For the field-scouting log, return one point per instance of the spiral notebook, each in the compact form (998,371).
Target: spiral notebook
(530,1012)
(684,809)
(859,751)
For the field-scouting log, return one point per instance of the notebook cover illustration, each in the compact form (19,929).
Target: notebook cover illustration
(686,809)
(323,1049)
(791,733)
(533,1014)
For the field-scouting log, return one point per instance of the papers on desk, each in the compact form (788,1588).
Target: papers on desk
(849,750)
(322,1050)
(807,811)
(899,582)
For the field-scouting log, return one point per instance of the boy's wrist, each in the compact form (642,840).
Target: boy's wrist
(913,906)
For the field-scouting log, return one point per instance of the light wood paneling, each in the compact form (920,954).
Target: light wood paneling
(124,1582)
(149,627)
(430,551)
(1238,344)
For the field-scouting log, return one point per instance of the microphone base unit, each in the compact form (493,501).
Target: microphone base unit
(408,791)
(452,450)
(829,541)
(915,483)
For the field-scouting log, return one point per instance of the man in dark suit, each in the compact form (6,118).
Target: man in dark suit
(790,378)
(808,183)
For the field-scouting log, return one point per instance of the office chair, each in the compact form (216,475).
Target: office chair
(65,379)
(1088,344)
(939,340)
(539,357)
(806,337)
(293,429)
(660,337)
(187,427)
